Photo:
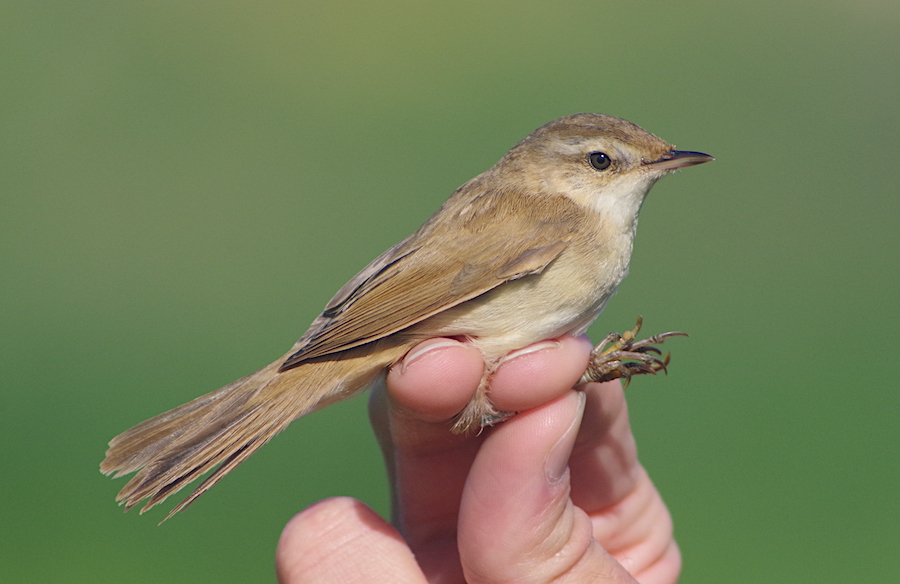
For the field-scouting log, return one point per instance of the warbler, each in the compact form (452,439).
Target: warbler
(531,249)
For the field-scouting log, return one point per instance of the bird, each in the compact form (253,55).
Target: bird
(531,249)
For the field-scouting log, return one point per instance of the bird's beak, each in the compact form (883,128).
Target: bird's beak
(678,159)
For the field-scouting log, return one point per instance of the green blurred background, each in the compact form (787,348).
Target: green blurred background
(183,185)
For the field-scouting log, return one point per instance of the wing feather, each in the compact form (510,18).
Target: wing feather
(452,258)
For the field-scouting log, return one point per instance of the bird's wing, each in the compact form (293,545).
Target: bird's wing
(457,255)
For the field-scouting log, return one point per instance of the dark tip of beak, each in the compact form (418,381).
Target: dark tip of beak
(679,159)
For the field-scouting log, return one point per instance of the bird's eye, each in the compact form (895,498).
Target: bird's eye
(599,160)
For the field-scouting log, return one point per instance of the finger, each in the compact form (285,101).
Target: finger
(539,373)
(628,515)
(428,465)
(638,533)
(435,379)
(342,540)
(432,384)
(516,520)
(604,459)
(439,376)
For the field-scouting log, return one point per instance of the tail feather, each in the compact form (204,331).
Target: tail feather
(135,448)
(226,426)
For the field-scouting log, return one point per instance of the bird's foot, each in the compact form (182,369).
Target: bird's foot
(620,356)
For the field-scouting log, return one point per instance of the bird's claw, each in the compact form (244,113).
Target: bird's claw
(620,356)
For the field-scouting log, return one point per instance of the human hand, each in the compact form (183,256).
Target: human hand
(553,494)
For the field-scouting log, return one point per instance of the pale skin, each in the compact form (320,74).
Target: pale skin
(554,494)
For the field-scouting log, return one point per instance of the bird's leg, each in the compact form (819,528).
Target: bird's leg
(617,356)
(620,356)
(479,412)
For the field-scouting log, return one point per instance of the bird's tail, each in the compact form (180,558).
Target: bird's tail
(226,426)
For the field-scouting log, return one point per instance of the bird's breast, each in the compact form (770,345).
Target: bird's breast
(565,297)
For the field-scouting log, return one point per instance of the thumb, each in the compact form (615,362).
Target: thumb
(517,522)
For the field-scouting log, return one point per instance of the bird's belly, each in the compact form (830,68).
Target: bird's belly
(527,310)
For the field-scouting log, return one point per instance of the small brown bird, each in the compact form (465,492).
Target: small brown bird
(529,250)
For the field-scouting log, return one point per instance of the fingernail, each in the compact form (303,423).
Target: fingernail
(529,349)
(558,459)
(425,348)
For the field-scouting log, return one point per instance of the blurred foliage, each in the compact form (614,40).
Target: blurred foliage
(184,184)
